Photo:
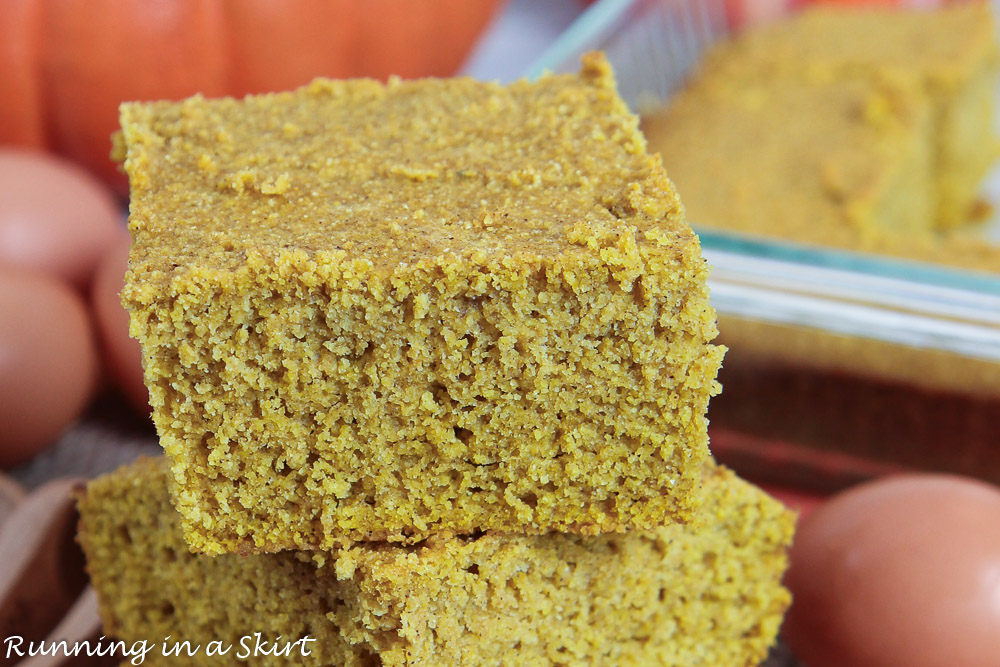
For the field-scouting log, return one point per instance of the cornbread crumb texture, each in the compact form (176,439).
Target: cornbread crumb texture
(866,129)
(380,311)
(676,595)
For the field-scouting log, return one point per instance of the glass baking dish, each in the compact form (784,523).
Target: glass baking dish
(842,365)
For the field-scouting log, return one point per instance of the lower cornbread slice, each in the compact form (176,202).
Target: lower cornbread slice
(678,595)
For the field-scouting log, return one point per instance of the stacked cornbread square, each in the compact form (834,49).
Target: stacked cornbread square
(430,362)
(379,312)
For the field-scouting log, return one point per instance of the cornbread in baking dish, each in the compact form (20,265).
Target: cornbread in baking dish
(865,129)
(706,594)
(949,53)
(924,81)
(838,162)
(381,311)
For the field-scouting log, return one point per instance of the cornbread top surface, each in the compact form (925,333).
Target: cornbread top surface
(855,127)
(943,46)
(391,175)
(781,157)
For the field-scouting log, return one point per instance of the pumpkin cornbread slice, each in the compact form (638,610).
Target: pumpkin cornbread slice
(375,312)
(707,594)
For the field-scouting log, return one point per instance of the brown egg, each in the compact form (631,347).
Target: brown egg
(122,354)
(54,217)
(48,362)
(901,571)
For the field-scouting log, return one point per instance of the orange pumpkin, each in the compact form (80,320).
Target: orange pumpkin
(65,65)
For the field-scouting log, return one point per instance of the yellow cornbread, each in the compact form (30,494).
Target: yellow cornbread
(839,162)
(676,595)
(949,54)
(815,102)
(377,312)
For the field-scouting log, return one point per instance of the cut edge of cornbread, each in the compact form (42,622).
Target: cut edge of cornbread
(679,595)
(513,335)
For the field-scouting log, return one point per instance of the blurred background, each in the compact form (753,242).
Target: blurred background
(858,349)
